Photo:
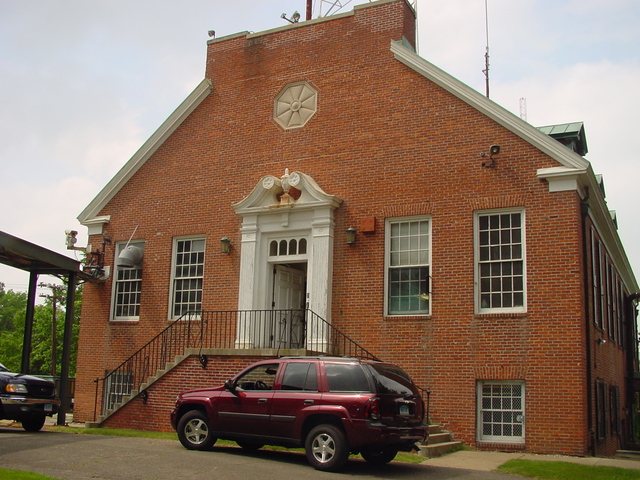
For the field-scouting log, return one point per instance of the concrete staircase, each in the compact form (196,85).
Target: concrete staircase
(438,443)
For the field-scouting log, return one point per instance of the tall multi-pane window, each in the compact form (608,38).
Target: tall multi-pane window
(127,286)
(500,265)
(408,266)
(501,411)
(188,274)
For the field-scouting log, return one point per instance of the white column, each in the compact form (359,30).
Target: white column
(319,275)
(248,256)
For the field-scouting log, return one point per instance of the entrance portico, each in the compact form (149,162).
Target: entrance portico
(287,222)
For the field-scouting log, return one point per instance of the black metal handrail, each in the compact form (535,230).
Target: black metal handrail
(235,329)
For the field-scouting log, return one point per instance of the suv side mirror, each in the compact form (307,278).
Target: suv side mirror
(231,386)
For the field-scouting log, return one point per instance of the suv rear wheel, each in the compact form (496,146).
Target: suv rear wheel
(194,431)
(326,448)
(379,455)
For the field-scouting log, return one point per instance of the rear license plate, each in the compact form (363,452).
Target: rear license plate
(48,407)
(404,409)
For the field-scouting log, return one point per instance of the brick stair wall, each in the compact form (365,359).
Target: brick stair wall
(439,443)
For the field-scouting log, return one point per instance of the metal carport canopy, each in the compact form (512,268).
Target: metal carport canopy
(38,260)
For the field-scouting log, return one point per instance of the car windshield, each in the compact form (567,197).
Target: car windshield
(3,368)
(392,379)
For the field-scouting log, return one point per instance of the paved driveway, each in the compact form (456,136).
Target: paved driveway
(94,457)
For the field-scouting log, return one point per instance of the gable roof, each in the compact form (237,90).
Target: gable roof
(573,172)
(89,216)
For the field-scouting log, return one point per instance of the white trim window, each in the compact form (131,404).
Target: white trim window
(500,261)
(501,411)
(188,275)
(408,266)
(127,286)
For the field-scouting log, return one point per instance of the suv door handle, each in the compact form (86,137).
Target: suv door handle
(309,402)
(262,400)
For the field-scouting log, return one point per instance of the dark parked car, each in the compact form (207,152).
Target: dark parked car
(26,399)
(331,406)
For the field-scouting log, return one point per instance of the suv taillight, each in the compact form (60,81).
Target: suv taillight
(372,410)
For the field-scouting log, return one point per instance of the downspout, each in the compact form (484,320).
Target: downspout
(584,210)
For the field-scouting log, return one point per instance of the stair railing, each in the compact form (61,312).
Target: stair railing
(285,331)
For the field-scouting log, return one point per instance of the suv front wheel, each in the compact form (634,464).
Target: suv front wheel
(326,448)
(194,431)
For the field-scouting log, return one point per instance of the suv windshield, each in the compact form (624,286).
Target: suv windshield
(392,379)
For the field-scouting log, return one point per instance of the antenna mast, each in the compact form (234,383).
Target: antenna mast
(486,55)
(523,108)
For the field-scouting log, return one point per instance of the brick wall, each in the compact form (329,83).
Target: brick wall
(390,143)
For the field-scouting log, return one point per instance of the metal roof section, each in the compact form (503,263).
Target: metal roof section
(571,135)
(27,256)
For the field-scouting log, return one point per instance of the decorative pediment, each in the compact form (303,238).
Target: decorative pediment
(294,190)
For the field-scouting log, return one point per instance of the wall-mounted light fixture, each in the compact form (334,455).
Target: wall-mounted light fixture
(601,341)
(225,245)
(351,236)
(493,150)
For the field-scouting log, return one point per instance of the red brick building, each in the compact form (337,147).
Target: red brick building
(485,259)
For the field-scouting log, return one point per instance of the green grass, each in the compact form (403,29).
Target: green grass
(6,474)
(566,471)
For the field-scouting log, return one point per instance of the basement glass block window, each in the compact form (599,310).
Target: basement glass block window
(127,287)
(408,266)
(188,274)
(500,261)
(500,411)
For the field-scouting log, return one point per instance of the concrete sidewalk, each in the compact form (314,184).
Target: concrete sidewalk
(488,461)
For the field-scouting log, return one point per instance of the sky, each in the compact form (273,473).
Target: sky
(83,84)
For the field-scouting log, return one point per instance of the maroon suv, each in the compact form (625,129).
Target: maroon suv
(332,406)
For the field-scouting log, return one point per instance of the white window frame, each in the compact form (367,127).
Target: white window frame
(388,266)
(498,411)
(477,261)
(174,278)
(120,246)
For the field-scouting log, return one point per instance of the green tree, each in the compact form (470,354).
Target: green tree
(12,320)
(12,308)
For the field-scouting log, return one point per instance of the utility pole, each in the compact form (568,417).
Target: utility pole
(57,293)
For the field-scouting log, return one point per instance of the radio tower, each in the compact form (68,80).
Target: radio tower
(523,108)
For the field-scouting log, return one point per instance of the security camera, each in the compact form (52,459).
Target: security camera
(71,238)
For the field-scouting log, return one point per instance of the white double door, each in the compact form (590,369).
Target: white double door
(289,289)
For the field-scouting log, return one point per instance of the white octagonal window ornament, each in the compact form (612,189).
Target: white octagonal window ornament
(295,105)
